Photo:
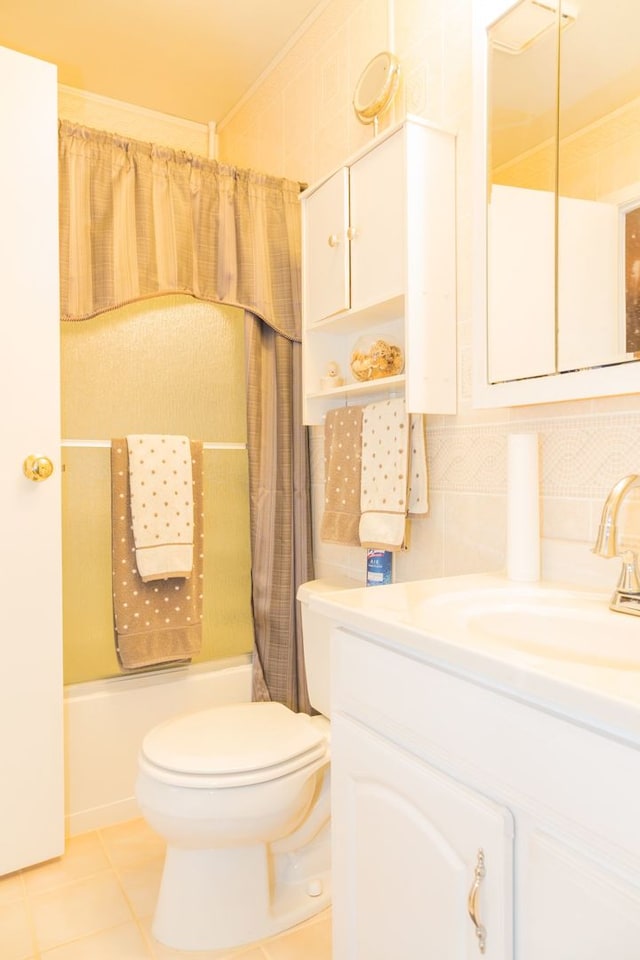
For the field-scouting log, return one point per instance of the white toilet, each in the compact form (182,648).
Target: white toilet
(241,795)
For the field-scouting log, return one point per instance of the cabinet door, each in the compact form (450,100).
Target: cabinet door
(377,220)
(407,841)
(326,249)
(520,284)
(574,906)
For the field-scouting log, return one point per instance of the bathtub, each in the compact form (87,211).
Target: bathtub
(106,720)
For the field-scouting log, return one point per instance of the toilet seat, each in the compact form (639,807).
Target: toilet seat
(234,745)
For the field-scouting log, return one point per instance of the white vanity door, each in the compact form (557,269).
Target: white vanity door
(31,747)
(575,906)
(406,844)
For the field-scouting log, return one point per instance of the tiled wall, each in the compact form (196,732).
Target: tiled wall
(299,123)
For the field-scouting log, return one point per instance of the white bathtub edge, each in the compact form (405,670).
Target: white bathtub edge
(105,722)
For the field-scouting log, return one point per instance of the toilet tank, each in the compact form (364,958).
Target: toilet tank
(316,632)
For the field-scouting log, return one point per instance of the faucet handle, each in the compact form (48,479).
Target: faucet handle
(629,581)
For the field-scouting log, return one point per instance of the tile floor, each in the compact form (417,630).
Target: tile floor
(96,903)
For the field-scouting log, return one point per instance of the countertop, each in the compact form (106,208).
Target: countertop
(421,619)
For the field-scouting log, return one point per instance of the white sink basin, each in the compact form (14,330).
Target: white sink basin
(554,623)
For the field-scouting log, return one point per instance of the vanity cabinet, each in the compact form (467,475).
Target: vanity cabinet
(430,767)
(378,242)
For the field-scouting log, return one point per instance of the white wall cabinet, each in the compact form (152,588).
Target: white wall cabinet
(379,259)
(427,768)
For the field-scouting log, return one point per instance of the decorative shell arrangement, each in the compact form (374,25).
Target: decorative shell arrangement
(377,359)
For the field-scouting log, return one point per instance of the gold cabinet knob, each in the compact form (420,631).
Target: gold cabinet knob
(37,468)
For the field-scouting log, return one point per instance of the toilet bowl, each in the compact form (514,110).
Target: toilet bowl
(241,794)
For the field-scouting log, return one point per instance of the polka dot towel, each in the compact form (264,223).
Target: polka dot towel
(161,487)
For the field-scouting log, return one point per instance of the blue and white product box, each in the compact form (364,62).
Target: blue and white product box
(379,567)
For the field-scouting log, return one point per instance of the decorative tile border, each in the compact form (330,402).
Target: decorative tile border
(581,456)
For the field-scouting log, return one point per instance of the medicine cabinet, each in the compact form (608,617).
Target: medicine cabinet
(557,200)
(378,263)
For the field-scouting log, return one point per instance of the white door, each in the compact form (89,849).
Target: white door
(31,751)
(415,853)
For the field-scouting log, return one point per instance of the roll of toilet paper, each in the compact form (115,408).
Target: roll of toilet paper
(523,507)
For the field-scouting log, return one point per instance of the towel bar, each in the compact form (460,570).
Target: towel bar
(107,443)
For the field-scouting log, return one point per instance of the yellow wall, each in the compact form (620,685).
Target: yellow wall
(300,122)
(598,162)
(149,126)
(170,365)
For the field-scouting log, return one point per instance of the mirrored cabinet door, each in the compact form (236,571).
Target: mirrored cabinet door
(558,162)
(522,122)
(598,178)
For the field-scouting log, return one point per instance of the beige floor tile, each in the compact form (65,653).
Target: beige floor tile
(311,941)
(11,888)
(141,884)
(16,937)
(160,952)
(83,857)
(78,909)
(120,943)
(131,843)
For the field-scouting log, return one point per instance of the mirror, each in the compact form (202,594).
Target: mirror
(557,132)
(376,88)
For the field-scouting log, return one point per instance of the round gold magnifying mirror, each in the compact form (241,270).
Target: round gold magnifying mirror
(376,88)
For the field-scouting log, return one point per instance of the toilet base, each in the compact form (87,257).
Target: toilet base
(222,898)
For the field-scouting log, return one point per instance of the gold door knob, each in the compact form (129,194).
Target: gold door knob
(37,468)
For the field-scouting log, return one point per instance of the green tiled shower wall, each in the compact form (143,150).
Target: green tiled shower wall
(168,365)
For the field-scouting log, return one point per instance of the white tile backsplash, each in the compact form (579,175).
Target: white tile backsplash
(580,458)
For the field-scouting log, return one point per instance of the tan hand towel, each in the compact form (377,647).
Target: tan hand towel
(385,465)
(161,489)
(159,621)
(418,498)
(342,457)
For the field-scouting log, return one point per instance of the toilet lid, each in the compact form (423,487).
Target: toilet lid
(239,739)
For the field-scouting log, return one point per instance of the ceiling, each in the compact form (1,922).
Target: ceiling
(190,58)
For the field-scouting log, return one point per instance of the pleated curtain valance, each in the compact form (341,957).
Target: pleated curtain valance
(139,220)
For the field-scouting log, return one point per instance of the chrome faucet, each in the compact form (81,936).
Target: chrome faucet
(626,597)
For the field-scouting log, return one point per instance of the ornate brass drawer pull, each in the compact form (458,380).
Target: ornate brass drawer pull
(472,901)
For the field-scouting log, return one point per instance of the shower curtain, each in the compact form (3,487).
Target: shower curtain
(138,220)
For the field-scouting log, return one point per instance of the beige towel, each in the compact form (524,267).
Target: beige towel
(161,489)
(160,621)
(418,498)
(342,456)
(394,473)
